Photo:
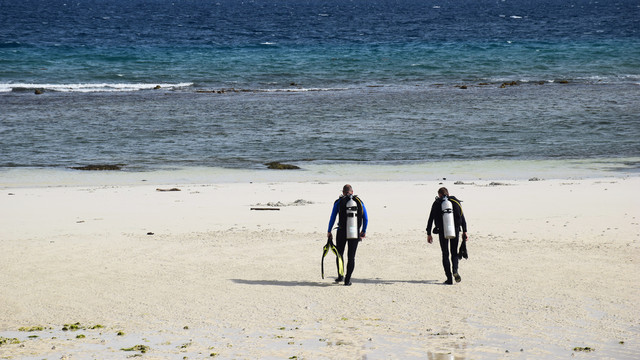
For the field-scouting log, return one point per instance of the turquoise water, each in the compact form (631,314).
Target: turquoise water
(154,84)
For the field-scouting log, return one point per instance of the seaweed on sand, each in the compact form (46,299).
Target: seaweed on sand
(142,348)
(6,341)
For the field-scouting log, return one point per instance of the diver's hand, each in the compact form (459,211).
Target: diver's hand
(464,236)
(329,236)
(362,235)
(429,239)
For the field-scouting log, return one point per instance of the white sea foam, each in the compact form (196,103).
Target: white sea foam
(303,89)
(89,87)
(603,79)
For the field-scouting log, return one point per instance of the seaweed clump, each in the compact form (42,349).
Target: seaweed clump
(5,341)
(142,348)
(584,349)
(73,327)
(103,167)
(280,166)
(31,329)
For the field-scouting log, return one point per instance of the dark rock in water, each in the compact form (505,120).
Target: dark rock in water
(158,87)
(38,91)
(279,166)
(505,84)
(99,167)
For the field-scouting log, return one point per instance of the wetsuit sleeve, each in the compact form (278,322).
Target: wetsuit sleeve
(365,218)
(334,214)
(430,221)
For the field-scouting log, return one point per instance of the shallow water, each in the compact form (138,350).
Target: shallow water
(463,171)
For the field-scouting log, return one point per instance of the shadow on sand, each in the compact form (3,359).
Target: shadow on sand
(329,282)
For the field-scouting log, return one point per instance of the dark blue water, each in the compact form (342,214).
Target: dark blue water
(272,43)
(242,83)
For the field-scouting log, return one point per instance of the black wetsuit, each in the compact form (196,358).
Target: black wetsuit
(449,247)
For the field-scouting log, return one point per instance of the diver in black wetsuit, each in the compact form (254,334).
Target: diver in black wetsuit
(340,211)
(448,247)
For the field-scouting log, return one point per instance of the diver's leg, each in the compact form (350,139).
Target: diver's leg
(444,246)
(454,258)
(341,243)
(351,256)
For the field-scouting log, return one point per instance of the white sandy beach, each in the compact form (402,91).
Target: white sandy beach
(196,273)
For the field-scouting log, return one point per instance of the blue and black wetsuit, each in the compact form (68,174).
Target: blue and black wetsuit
(340,211)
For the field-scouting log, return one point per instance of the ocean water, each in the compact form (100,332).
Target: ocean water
(235,84)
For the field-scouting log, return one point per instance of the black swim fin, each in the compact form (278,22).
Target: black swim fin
(462,253)
(340,260)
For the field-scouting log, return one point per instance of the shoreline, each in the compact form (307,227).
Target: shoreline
(350,172)
(196,272)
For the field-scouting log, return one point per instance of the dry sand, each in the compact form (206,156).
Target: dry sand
(196,273)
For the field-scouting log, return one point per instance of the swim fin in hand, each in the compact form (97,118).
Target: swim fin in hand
(462,253)
(330,246)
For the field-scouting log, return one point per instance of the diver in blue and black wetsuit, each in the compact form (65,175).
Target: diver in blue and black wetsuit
(340,211)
